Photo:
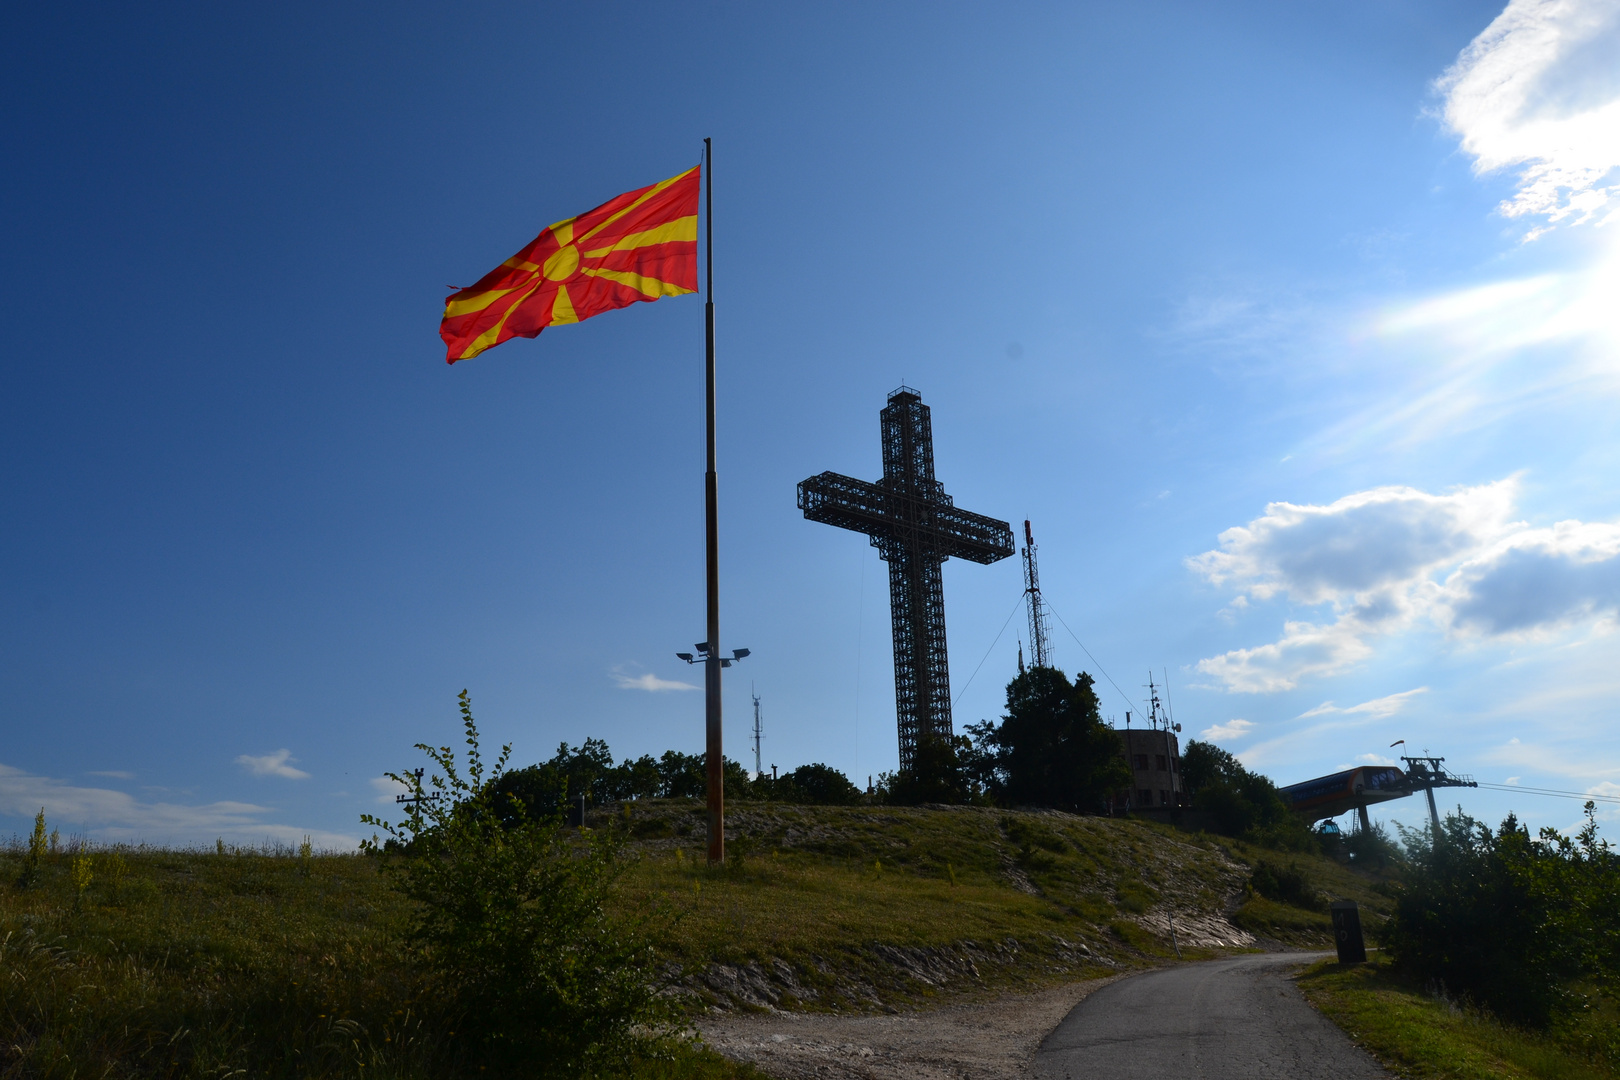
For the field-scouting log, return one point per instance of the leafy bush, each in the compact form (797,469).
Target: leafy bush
(1373,848)
(512,923)
(1285,884)
(1518,924)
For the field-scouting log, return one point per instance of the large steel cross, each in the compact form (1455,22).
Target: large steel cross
(915,527)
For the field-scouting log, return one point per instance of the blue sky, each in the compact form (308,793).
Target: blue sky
(1290,328)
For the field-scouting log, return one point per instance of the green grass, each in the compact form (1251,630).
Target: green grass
(1424,1036)
(202,963)
(1284,922)
(824,881)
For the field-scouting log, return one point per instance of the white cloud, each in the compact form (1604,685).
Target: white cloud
(1361,544)
(116,816)
(275,764)
(1539,88)
(1390,559)
(115,774)
(1536,95)
(1538,580)
(1304,650)
(649,681)
(1512,780)
(1378,708)
(387,787)
(1374,759)
(1232,729)
(1579,763)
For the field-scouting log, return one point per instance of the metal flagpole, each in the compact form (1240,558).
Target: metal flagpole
(714,750)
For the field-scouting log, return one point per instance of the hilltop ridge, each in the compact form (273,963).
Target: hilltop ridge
(851,907)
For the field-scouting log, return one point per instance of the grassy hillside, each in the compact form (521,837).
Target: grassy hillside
(1029,894)
(200,963)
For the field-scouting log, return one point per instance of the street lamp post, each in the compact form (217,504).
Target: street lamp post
(714,760)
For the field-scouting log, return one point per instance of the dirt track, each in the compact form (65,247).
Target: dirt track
(994,1040)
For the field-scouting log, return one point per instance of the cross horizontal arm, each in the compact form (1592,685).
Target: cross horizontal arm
(970,536)
(933,524)
(834,499)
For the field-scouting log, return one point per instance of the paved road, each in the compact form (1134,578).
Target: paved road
(1238,1019)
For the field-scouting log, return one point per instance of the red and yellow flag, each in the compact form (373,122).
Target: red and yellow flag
(639,246)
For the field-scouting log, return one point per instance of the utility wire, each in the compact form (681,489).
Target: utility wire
(1552,792)
(1087,651)
(988,651)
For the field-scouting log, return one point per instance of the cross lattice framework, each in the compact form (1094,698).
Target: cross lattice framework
(915,527)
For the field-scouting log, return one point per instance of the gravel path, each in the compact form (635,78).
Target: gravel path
(993,1040)
(1237,1019)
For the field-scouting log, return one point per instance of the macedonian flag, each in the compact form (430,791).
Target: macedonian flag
(639,246)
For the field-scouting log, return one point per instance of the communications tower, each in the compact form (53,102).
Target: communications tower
(1039,632)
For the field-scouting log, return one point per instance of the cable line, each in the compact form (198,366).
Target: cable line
(1087,651)
(1016,605)
(1552,792)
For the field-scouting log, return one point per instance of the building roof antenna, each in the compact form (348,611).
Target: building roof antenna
(1169,708)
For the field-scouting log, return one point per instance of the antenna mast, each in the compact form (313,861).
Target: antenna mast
(758,733)
(1154,706)
(1039,650)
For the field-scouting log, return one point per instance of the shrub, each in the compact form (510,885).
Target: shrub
(1515,923)
(36,851)
(1285,884)
(1372,847)
(512,923)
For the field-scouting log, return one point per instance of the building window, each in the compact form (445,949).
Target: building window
(1164,797)
(1175,764)
(1164,766)
(1144,797)
(1141,762)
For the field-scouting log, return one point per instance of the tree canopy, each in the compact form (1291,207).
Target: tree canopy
(1239,802)
(1052,747)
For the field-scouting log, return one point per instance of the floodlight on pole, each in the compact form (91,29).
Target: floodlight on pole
(703,656)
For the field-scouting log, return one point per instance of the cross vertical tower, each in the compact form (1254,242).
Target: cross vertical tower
(915,527)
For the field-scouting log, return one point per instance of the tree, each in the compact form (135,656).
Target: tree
(936,774)
(1052,748)
(1205,765)
(820,785)
(1240,802)
(638,779)
(682,775)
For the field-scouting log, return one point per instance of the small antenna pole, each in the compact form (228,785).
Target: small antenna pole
(758,733)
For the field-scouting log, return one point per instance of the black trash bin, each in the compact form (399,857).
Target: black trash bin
(1347,932)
